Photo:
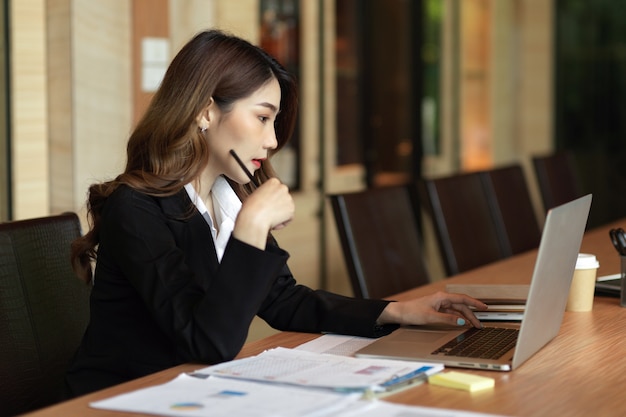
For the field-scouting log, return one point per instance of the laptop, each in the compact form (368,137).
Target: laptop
(547,296)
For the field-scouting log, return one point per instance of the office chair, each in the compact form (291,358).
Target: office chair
(565,175)
(380,239)
(468,233)
(513,204)
(44,309)
(557,178)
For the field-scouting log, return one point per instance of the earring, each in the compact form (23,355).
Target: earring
(203,124)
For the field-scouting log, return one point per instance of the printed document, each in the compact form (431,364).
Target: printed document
(219,397)
(223,397)
(319,370)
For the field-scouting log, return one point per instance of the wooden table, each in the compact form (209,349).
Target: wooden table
(582,372)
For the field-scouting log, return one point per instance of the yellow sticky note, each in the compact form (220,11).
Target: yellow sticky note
(462,380)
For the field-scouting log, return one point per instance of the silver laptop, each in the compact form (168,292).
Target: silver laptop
(556,258)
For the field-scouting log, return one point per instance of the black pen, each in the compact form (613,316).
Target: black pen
(241,164)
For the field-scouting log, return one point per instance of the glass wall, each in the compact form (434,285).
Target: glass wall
(590,95)
(379,88)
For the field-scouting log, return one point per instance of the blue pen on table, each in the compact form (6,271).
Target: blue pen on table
(418,375)
(392,384)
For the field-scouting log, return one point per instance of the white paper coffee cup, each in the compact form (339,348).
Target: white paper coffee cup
(583,283)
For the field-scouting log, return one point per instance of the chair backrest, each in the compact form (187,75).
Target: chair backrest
(468,232)
(508,186)
(380,238)
(557,178)
(44,309)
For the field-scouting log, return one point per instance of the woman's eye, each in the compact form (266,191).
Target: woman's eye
(263,119)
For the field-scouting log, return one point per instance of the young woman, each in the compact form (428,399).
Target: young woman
(184,257)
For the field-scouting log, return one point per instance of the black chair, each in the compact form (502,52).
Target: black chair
(380,239)
(468,233)
(513,204)
(557,178)
(44,309)
(566,175)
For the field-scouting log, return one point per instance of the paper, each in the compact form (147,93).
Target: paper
(336,344)
(386,409)
(507,307)
(499,315)
(298,367)
(219,397)
(222,397)
(609,277)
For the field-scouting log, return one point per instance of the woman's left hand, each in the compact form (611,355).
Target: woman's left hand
(437,308)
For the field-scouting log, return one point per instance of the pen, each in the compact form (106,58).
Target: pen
(418,375)
(198,375)
(242,165)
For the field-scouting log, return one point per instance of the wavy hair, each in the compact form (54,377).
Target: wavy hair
(167,150)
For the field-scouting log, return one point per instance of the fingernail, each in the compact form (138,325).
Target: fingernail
(460,322)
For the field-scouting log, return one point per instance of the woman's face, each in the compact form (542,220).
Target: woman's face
(248,129)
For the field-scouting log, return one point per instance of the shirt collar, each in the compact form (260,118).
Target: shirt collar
(226,205)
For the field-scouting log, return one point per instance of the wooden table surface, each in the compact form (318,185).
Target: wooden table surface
(580,373)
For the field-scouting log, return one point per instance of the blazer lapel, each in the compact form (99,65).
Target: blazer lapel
(191,231)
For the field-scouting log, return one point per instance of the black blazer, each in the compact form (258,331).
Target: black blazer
(161,298)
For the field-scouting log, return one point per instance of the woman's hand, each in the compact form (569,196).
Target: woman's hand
(437,308)
(269,207)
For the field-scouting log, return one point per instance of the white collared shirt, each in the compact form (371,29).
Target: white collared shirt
(226,205)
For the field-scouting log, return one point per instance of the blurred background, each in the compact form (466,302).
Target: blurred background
(391,91)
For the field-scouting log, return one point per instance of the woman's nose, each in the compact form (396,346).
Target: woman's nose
(271,142)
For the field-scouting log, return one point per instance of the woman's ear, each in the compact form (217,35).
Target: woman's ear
(203,119)
(203,123)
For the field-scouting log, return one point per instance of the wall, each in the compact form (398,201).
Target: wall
(90,93)
(29,118)
(522,102)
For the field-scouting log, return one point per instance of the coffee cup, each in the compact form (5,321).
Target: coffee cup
(583,283)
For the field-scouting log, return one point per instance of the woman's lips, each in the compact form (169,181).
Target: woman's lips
(257,162)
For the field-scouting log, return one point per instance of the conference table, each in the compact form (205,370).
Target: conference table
(581,372)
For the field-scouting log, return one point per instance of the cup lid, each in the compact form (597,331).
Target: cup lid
(587,261)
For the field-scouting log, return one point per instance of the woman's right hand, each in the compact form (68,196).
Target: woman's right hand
(269,207)
(437,308)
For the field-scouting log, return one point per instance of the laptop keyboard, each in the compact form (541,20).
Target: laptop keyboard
(486,343)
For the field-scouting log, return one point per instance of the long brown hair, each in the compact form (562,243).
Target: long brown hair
(166,150)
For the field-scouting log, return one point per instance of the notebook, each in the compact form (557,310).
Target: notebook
(609,286)
(506,302)
(554,267)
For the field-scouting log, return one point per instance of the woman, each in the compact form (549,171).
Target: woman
(185,258)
